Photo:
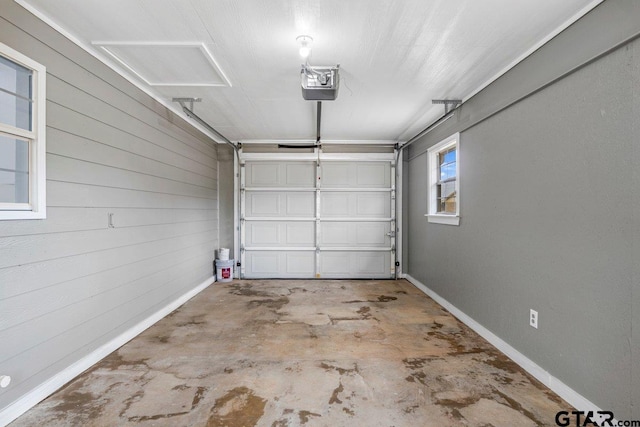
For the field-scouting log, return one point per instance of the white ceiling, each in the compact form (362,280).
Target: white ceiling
(395,56)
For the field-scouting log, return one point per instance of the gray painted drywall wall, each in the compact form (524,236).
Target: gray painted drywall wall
(69,284)
(549,212)
(226,192)
(404,189)
(635,215)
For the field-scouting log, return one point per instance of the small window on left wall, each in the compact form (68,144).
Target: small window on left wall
(22,136)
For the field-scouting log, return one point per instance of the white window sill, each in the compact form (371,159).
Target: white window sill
(443,219)
(7,215)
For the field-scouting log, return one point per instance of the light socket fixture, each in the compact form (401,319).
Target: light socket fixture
(305,45)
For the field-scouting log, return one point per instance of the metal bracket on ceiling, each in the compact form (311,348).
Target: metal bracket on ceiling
(189,112)
(449,104)
(182,101)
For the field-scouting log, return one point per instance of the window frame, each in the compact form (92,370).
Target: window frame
(36,138)
(433,216)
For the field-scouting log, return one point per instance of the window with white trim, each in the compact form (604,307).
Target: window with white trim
(444,181)
(22,136)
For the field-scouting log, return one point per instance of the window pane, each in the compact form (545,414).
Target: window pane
(447,197)
(448,189)
(450,205)
(447,164)
(450,156)
(448,171)
(14,170)
(16,101)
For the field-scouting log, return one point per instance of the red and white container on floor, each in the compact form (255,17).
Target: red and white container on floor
(224,270)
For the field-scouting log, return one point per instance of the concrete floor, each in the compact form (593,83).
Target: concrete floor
(314,353)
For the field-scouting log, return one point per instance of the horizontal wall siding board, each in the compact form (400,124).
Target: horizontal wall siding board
(76,147)
(37,248)
(61,351)
(84,195)
(110,287)
(68,96)
(66,169)
(66,120)
(65,219)
(31,277)
(69,283)
(103,82)
(62,93)
(100,90)
(19,309)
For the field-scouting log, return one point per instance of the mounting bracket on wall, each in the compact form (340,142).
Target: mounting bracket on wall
(189,112)
(449,104)
(189,100)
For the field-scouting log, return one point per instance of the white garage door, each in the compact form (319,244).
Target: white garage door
(318,215)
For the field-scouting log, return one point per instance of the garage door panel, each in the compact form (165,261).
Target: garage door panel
(262,234)
(280,204)
(373,205)
(374,174)
(300,204)
(335,234)
(355,175)
(354,234)
(375,264)
(337,264)
(335,174)
(300,264)
(263,264)
(300,234)
(280,174)
(302,174)
(372,234)
(279,233)
(280,264)
(376,204)
(262,204)
(334,205)
(262,174)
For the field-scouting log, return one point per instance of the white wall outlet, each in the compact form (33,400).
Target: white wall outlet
(533,318)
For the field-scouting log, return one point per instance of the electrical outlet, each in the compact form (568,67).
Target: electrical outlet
(533,318)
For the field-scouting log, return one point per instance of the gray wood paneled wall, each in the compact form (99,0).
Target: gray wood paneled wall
(69,284)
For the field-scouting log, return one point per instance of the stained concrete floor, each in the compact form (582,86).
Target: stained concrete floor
(304,353)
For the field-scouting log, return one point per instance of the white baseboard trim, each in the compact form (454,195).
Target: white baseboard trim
(45,389)
(561,389)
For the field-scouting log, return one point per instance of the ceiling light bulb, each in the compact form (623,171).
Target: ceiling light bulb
(305,45)
(305,51)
